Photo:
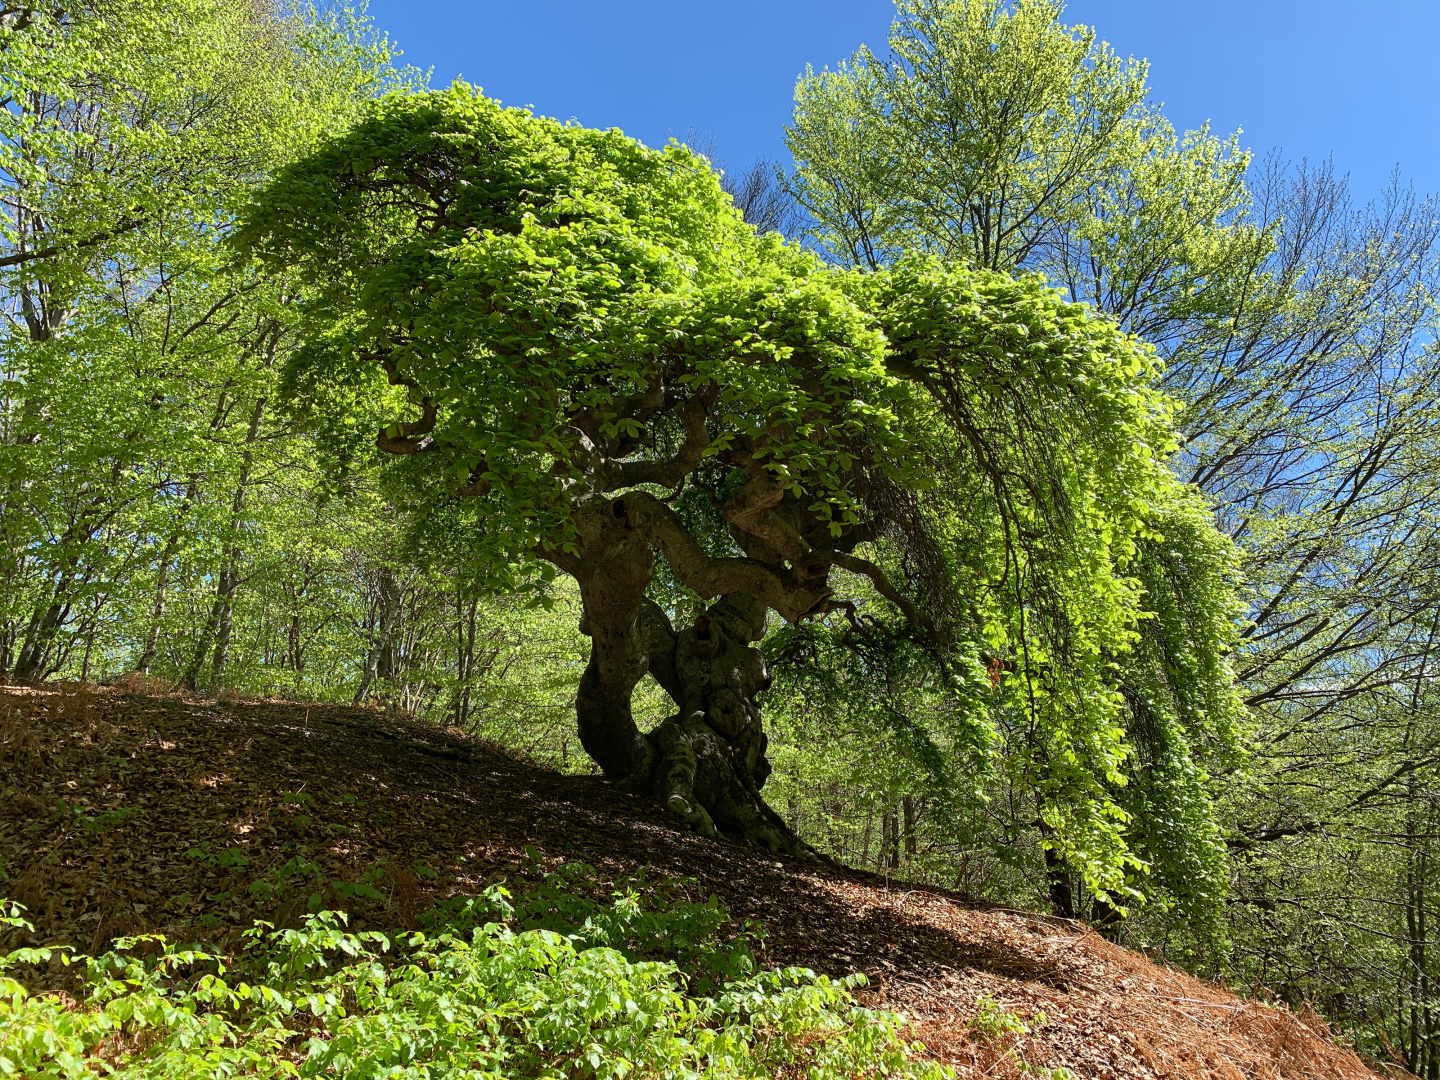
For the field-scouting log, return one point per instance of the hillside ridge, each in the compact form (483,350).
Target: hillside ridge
(128,812)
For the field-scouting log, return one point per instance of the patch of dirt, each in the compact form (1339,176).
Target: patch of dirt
(122,813)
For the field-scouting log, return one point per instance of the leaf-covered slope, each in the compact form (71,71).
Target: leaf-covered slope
(122,813)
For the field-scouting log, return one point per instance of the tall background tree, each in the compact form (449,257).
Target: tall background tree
(1298,329)
(140,431)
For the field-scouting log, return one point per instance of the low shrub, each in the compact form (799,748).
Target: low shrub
(552,984)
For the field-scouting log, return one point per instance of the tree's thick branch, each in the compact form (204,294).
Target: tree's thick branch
(592,420)
(126,225)
(411,438)
(752,510)
(710,577)
(883,585)
(414,437)
(670,473)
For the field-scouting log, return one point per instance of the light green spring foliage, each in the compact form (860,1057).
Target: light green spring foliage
(1047,582)
(567,264)
(858,726)
(501,271)
(1187,725)
(135,355)
(550,985)
(996,136)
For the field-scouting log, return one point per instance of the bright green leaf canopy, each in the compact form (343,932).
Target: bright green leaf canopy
(572,331)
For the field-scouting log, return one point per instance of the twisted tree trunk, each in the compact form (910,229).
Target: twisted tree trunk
(712,761)
(706,762)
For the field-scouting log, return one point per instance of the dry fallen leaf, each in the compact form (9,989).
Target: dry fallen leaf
(165,840)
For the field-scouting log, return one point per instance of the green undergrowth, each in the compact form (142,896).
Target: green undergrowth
(548,982)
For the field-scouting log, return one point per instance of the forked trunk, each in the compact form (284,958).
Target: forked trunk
(707,762)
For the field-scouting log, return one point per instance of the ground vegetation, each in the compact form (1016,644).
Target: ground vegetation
(274,811)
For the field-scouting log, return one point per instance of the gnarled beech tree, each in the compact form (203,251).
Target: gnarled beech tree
(580,338)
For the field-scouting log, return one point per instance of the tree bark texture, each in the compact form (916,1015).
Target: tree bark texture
(706,763)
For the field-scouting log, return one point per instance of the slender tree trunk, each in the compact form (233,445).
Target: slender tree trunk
(889,839)
(30,664)
(911,813)
(47,619)
(162,580)
(229,582)
(191,678)
(372,655)
(469,660)
(43,318)
(157,612)
(217,626)
(1422,976)
(89,644)
(1057,874)
(172,548)
(380,658)
(465,658)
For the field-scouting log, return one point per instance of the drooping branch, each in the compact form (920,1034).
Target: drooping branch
(884,586)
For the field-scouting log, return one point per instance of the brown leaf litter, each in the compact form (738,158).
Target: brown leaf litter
(122,813)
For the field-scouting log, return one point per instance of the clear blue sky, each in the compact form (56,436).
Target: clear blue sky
(1359,81)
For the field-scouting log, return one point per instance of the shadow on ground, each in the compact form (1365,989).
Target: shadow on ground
(125,813)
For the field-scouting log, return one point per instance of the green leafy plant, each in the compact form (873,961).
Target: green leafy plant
(994,1021)
(96,822)
(996,1025)
(463,998)
(232,858)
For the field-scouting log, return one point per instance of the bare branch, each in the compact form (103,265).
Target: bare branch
(883,584)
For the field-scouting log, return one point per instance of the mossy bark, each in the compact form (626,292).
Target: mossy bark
(706,763)
(712,761)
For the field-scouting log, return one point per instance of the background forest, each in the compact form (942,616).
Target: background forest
(166,519)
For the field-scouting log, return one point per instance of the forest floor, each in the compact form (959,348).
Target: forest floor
(125,813)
